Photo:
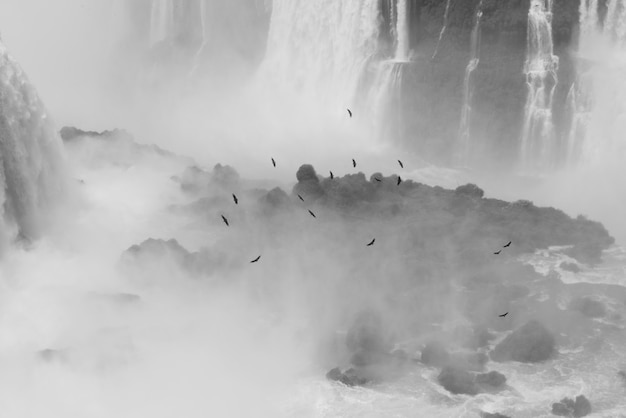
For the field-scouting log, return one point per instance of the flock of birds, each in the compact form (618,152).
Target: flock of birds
(332,176)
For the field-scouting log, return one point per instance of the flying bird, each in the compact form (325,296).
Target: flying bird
(371,243)
(399,180)
(273,162)
(300,197)
(312,214)
(401,165)
(498,252)
(255,260)
(507,245)
(349,112)
(353,163)
(503,315)
(235,199)
(332,176)
(377,179)
(225,220)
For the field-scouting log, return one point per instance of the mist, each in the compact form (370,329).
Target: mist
(128,287)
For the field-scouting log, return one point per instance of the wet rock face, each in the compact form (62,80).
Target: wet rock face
(531,343)
(492,379)
(433,86)
(572,408)
(493,415)
(308,184)
(458,381)
(350,377)
(589,307)
(435,354)
(367,339)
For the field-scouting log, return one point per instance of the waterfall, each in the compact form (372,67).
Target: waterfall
(31,164)
(444,27)
(204,27)
(161,20)
(540,69)
(321,47)
(402,31)
(598,109)
(468,91)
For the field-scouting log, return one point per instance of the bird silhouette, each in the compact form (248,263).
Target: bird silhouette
(353,163)
(273,162)
(225,220)
(349,112)
(401,165)
(235,199)
(332,176)
(256,259)
(377,179)
(503,315)
(371,243)
(300,197)
(507,245)
(399,180)
(312,214)
(498,252)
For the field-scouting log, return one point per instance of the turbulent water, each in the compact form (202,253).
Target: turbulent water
(32,176)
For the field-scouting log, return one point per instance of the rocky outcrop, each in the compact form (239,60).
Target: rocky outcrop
(572,408)
(458,381)
(531,343)
(589,307)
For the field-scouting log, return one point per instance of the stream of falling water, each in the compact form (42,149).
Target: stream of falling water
(402,50)
(161,20)
(540,69)
(597,98)
(466,112)
(443,28)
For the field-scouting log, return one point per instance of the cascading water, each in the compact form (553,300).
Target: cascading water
(321,47)
(161,20)
(31,164)
(598,97)
(443,28)
(204,27)
(540,68)
(464,128)
(402,31)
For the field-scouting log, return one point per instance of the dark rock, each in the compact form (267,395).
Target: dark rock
(400,355)
(53,355)
(225,175)
(194,179)
(69,133)
(569,408)
(367,338)
(531,343)
(435,354)
(470,190)
(492,379)
(306,173)
(589,307)
(571,267)
(308,185)
(275,198)
(458,381)
(493,415)
(350,377)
